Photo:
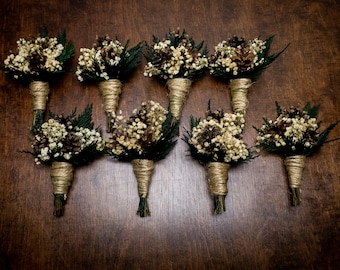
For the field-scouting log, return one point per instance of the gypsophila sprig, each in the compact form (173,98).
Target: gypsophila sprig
(146,134)
(241,58)
(107,59)
(39,58)
(295,135)
(216,142)
(70,139)
(175,56)
(294,132)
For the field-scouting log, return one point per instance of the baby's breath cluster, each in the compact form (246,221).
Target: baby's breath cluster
(38,58)
(145,134)
(61,139)
(238,58)
(176,56)
(107,59)
(218,138)
(293,132)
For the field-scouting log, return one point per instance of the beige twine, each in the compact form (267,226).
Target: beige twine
(110,90)
(295,166)
(39,91)
(143,169)
(218,177)
(61,176)
(239,94)
(178,90)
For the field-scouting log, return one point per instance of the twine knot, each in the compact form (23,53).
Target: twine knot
(143,170)
(39,91)
(178,90)
(295,166)
(110,90)
(239,94)
(218,177)
(61,176)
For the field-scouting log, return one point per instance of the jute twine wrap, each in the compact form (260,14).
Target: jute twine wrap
(39,91)
(110,90)
(62,177)
(218,177)
(178,90)
(143,170)
(295,166)
(239,94)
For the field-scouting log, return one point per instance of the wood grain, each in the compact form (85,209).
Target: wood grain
(100,229)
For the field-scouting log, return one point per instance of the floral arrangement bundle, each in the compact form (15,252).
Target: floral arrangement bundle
(216,142)
(178,61)
(147,136)
(295,135)
(63,143)
(241,62)
(108,63)
(37,62)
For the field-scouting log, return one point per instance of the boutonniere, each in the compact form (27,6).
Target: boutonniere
(177,60)
(108,63)
(145,137)
(36,62)
(294,135)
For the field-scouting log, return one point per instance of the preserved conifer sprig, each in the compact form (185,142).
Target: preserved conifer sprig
(295,135)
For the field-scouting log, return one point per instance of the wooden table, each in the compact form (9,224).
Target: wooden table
(100,228)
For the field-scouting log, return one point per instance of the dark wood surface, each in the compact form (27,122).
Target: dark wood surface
(100,228)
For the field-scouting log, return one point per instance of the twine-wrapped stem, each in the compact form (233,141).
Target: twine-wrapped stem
(143,170)
(239,94)
(39,91)
(61,177)
(178,90)
(110,91)
(217,173)
(294,166)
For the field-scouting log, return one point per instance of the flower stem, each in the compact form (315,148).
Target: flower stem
(59,202)
(143,208)
(296,197)
(219,205)
(38,119)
